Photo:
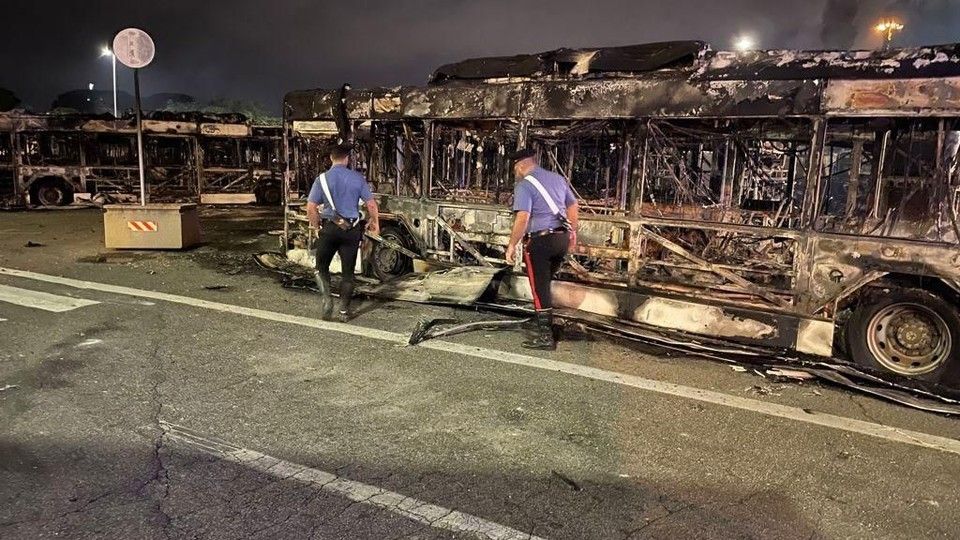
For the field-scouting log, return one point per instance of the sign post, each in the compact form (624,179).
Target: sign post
(135,49)
(143,226)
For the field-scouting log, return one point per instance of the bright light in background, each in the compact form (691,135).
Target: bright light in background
(105,51)
(89,86)
(888,28)
(744,43)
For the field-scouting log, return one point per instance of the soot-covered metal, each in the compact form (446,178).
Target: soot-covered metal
(800,199)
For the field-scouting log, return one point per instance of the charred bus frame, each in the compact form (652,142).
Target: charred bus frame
(775,196)
(47,159)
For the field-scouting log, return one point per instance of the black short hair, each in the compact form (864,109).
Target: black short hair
(522,153)
(340,151)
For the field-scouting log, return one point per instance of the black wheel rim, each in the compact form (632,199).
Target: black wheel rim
(387,261)
(50,195)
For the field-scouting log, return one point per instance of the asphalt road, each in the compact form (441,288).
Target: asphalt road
(226,410)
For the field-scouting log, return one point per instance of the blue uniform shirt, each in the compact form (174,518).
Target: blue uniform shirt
(347,187)
(528,199)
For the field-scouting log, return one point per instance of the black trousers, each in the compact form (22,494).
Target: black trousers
(334,240)
(543,256)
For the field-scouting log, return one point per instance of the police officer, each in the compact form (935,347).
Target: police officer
(338,190)
(546,219)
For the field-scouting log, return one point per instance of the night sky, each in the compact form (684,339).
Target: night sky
(259,50)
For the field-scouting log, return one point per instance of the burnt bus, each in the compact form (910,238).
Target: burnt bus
(800,199)
(8,169)
(52,158)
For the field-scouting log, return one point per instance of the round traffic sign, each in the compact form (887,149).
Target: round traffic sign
(133,48)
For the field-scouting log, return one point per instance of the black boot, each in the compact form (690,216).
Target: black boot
(346,294)
(326,300)
(544,340)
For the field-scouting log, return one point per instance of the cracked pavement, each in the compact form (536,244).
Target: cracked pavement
(83,451)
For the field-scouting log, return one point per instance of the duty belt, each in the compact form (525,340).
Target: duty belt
(352,221)
(544,232)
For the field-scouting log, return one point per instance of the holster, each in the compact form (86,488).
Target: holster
(341,222)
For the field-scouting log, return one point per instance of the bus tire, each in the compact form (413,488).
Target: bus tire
(51,191)
(908,332)
(387,263)
(269,194)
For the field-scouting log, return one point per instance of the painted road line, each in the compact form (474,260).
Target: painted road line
(215,306)
(872,429)
(396,503)
(41,300)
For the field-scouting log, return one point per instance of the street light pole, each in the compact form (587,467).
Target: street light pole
(106,51)
(113,60)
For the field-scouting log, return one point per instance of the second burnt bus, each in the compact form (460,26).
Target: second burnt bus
(47,160)
(804,200)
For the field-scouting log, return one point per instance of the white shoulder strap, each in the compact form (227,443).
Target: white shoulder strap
(543,193)
(326,191)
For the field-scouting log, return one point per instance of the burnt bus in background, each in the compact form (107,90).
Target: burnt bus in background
(804,200)
(47,159)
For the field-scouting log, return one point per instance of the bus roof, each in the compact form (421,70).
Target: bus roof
(661,80)
(696,59)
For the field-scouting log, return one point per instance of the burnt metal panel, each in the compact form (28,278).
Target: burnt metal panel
(626,98)
(919,62)
(311,104)
(463,101)
(627,59)
(880,97)
(621,98)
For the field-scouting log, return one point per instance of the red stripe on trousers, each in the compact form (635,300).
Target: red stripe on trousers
(533,282)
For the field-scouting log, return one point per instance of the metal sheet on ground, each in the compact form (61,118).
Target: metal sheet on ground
(459,286)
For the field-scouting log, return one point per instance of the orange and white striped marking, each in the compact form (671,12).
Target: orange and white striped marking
(142,226)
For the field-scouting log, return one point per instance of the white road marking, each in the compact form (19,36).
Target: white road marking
(397,503)
(41,300)
(872,429)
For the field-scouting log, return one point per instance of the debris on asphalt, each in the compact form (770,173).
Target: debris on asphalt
(31,243)
(573,485)
(794,374)
(767,390)
(216,287)
(468,287)
(739,369)
(9,387)
(433,329)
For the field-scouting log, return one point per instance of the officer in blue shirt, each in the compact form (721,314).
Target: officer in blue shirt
(546,219)
(339,224)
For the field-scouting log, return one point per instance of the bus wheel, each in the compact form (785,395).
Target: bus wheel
(389,263)
(51,192)
(911,333)
(269,195)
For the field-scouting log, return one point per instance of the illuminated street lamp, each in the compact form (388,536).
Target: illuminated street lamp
(888,28)
(105,51)
(744,43)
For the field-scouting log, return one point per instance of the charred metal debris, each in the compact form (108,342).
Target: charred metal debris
(502,315)
(804,201)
